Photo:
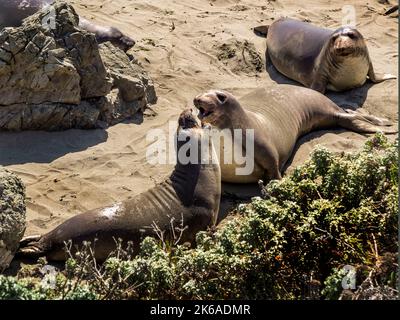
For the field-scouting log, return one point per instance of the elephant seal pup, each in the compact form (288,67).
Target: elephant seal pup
(12,12)
(319,58)
(192,194)
(286,112)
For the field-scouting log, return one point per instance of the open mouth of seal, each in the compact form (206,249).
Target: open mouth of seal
(204,113)
(188,119)
(345,51)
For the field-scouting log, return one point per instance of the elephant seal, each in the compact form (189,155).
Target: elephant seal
(12,12)
(286,112)
(190,197)
(319,58)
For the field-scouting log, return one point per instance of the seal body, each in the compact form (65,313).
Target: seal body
(319,58)
(13,12)
(286,113)
(188,199)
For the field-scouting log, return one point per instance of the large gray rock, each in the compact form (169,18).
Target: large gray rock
(55,76)
(12,216)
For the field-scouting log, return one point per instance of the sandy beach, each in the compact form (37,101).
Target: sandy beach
(187,48)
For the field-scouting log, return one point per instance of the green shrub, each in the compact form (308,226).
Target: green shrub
(13,289)
(292,242)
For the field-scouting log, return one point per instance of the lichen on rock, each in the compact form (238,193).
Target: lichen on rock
(59,77)
(12,216)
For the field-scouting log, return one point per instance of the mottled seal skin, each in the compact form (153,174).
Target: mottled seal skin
(288,112)
(191,193)
(319,58)
(12,12)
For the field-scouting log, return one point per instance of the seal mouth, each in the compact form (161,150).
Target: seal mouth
(343,52)
(345,45)
(203,113)
(188,120)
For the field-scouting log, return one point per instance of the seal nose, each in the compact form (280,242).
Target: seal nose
(128,42)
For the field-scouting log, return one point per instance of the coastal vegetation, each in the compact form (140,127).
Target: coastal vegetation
(293,242)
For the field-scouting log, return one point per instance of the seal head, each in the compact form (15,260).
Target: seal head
(116,37)
(188,120)
(347,41)
(345,59)
(217,107)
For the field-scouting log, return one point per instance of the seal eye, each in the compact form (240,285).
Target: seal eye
(221,97)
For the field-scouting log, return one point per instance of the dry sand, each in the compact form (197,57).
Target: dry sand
(185,46)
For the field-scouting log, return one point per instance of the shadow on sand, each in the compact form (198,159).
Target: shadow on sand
(306,138)
(352,99)
(45,147)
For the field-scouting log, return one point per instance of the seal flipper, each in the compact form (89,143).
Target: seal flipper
(261,31)
(364,123)
(374,120)
(31,247)
(392,9)
(377,79)
(26,240)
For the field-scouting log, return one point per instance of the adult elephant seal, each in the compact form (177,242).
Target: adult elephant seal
(278,116)
(319,58)
(192,194)
(12,12)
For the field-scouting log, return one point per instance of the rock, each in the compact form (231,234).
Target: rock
(60,77)
(132,88)
(12,216)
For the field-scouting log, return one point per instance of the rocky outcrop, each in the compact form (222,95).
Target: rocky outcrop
(54,76)
(12,216)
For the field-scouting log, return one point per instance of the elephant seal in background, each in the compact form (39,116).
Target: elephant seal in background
(319,58)
(191,193)
(12,12)
(278,116)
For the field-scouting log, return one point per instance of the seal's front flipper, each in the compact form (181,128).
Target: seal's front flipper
(261,31)
(377,78)
(29,239)
(273,175)
(31,247)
